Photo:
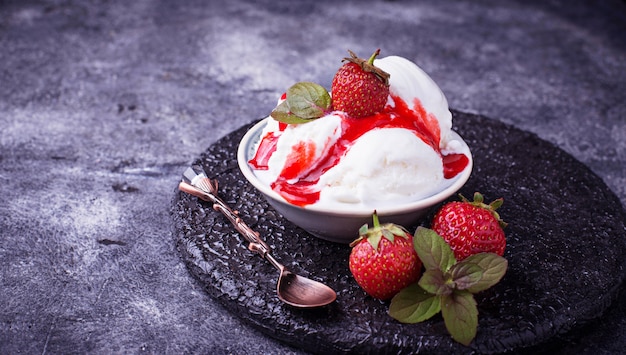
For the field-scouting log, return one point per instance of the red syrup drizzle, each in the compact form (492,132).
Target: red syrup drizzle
(302,168)
(453,164)
(267,147)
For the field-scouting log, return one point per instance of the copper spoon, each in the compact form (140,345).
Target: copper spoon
(292,289)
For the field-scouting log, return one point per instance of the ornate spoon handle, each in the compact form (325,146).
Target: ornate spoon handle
(198,184)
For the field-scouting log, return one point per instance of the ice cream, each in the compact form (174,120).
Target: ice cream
(404,153)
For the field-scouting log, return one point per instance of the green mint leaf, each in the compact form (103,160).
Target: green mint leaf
(434,281)
(460,315)
(282,114)
(305,101)
(465,274)
(308,100)
(494,267)
(433,250)
(414,305)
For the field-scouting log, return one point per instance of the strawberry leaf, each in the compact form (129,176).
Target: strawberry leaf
(434,281)
(387,234)
(433,250)
(465,274)
(374,239)
(493,266)
(460,316)
(414,305)
(495,204)
(397,230)
(375,234)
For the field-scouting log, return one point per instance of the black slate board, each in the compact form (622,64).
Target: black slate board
(566,245)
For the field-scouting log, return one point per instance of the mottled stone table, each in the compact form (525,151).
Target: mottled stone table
(104,104)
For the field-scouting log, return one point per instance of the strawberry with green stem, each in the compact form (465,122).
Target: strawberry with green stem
(359,88)
(471,227)
(383,260)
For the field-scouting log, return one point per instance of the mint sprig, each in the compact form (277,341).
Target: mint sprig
(305,102)
(447,286)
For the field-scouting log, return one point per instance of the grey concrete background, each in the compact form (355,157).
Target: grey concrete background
(104,103)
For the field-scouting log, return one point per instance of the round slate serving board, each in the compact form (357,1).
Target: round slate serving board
(566,244)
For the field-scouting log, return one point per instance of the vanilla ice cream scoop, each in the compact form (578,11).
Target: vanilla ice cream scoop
(404,169)
(395,156)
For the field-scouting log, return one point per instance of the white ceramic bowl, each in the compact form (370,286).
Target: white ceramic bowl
(342,225)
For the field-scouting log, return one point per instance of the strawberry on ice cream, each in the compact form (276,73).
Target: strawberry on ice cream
(402,151)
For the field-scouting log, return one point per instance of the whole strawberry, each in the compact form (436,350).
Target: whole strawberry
(471,227)
(359,88)
(383,260)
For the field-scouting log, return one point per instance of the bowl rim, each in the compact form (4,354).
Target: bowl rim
(351,211)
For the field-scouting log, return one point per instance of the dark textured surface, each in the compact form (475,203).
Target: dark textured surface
(557,278)
(103,104)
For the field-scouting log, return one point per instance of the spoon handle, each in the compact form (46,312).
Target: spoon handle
(256,243)
(199,185)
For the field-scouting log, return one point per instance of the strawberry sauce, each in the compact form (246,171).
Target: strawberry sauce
(302,167)
(453,164)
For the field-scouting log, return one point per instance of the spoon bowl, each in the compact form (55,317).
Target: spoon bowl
(302,292)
